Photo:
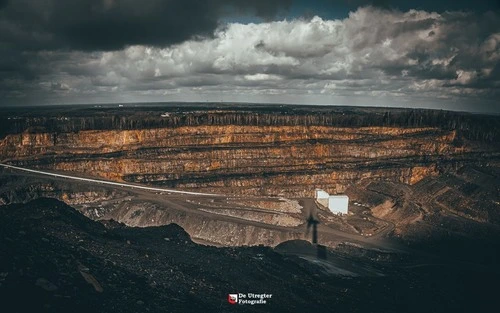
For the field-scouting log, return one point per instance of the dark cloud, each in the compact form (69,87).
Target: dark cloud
(379,55)
(429,5)
(114,24)
(378,3)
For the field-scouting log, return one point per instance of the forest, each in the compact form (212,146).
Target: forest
(61,119)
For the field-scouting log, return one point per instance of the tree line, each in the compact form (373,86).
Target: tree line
(483,128)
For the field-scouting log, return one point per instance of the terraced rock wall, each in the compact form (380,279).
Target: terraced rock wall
(238,157)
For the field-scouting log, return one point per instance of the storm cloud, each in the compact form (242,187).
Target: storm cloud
(374,56)
(114,24)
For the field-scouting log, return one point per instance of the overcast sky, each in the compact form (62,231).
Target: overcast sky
(434,54)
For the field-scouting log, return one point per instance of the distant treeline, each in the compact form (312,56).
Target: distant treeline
(483,128)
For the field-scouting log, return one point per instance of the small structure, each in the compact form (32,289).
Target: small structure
(337,204)
(322,197)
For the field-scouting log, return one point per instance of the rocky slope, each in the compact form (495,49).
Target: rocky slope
(251,150)
(205,221)
(52,259)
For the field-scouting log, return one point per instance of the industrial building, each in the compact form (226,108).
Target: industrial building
(337,204)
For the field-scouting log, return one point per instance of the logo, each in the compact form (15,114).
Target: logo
(232,298)
(249,298)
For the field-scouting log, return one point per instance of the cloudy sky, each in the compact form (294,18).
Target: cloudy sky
(435,54)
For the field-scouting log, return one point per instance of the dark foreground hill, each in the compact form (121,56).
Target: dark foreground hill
(52,259)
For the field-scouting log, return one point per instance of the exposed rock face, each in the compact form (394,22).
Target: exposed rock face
(256,156)
(390,163)
(98,203)
(206,228)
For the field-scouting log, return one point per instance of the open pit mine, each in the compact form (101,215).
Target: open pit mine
(423,189)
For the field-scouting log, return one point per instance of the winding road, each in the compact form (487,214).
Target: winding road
(179,203)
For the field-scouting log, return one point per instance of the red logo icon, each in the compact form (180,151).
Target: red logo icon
(232,298)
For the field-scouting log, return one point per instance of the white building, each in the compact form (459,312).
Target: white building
(337,204)
(322,197)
